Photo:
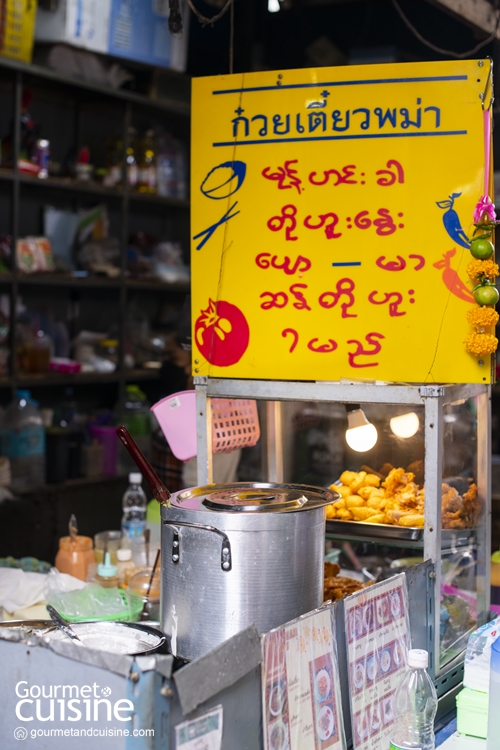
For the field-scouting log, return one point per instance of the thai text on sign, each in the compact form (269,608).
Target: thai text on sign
(331,211)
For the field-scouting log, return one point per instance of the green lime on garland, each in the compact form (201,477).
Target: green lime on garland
(486,295)
(481,249)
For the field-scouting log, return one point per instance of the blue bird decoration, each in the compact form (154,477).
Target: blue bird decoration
(451,221)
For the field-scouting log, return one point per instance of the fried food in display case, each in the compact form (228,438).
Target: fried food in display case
(338,587)
(396,499)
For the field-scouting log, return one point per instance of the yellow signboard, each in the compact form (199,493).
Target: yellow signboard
(331,210)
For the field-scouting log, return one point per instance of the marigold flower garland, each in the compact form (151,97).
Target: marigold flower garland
(483,270)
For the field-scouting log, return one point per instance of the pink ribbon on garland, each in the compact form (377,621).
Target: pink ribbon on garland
(485,205)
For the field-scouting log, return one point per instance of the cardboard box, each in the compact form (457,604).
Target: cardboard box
(132,29)
(17,25)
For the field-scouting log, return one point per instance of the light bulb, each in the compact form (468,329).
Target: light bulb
(406,425)
(273,6)
(362,439)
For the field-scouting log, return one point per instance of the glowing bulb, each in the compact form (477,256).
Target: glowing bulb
(362,439)
(406,425)
(273,6)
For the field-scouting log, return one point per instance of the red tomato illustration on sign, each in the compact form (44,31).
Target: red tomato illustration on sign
(222,333)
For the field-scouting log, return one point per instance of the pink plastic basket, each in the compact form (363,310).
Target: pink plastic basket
(235,424)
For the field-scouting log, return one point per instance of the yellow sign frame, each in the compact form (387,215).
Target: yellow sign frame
(330,214)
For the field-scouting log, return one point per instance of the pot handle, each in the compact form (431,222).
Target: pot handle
(225,557)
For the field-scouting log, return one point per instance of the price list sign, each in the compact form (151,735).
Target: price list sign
(300,686)
(331,211)
(378,634)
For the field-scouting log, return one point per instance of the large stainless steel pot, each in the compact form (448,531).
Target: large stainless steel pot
(234,555)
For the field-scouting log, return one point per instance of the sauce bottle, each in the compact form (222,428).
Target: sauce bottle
(74,556)
(107,574)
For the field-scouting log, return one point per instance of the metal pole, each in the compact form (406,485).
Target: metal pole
(275,441)
(432,529)
(203,435)
(484,497)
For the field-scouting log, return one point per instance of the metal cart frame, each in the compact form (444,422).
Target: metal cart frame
(433,398)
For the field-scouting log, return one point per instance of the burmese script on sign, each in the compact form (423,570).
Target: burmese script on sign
(331,216)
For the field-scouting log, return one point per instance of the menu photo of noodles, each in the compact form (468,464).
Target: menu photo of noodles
(378,637)
(301,702)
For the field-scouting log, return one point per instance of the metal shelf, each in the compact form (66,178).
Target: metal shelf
(21,187)
(38,71)
(69,484)
(90,188)
(35,380)
(93,282)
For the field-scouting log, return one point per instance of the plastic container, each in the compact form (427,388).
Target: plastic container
(23,441)
(125,565)
(472,713)
(495,577)
(415,706)
(134,413)
(113,544)
(134,505)
(74,557)
(138,597)
(106,436)
(107,574)
(95,603)
(493,733)
(235,423)
(91,459)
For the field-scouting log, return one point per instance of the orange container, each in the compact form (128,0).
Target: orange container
(74,557)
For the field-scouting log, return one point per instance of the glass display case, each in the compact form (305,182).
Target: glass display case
(424,482)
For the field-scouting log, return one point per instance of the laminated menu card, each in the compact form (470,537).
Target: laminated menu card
(301,699)
(377,638)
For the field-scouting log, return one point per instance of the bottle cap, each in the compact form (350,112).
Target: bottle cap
(124,554)
(105,569)
(418,658)
(135,477)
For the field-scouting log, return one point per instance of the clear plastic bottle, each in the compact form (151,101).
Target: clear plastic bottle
(134,508)
(415,706)
(23,441)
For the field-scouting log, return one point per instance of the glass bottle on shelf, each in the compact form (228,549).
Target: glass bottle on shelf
(147,152)
(131,158)
(114,155)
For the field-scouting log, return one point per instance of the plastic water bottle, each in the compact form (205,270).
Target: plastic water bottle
(23,441)
(134,508)
(493,734)
(415,706)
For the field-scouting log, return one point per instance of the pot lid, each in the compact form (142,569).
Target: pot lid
(254,497)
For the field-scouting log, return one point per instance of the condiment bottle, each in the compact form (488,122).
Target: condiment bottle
(125,566)
(107,574)
(74,556)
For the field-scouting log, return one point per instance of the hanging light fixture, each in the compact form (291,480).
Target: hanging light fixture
(406,425)
(361,435)
(273,6)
